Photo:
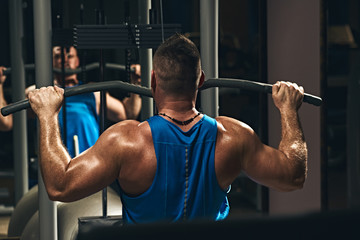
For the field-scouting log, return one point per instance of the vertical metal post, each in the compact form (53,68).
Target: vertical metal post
(103,114)
(147,109)
(43,72)
(209,19)
(18,93)
(100,19)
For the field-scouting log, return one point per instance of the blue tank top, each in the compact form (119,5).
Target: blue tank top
(81,120)
(185,186)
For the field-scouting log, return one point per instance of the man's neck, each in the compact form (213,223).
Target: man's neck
(179,107)
(183,115)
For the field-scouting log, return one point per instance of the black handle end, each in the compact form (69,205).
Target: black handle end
(14,107)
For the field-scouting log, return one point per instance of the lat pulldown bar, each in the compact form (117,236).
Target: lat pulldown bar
(216,82)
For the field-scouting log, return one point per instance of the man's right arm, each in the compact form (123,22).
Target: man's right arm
(285,168)
(240,149)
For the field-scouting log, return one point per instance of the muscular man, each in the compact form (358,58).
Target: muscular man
(178,164)
(6,123)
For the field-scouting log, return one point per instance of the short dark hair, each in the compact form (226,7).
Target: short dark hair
(177,64)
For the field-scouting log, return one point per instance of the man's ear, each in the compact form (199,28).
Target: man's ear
(202,79)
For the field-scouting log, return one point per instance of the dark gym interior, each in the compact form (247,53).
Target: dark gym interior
(243,54)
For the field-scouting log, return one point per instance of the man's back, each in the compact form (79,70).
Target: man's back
(185,185)
(236,149)
(140,162)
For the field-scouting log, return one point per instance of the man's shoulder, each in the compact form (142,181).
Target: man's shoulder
(128,124)
(232,125)
(128,134)
(131,128)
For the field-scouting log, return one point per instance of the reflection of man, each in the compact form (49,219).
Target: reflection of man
(82,111)
(5,122)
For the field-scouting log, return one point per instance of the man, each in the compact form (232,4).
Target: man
(6,123)
(179,164)
(82,111)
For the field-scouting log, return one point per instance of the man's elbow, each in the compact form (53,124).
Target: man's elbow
(53,195)
(58,195)
(298,183)
(295,184)
(298,176)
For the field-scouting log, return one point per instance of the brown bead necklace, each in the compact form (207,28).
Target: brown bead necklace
(183,123)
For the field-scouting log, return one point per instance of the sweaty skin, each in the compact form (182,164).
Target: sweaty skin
(125,151)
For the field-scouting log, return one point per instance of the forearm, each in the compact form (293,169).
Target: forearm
(54,158)
(132,106)
(6,123)
(293,145)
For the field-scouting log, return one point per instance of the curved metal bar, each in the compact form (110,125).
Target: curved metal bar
(254,86)
(86,88)
(117,84)
(99,86)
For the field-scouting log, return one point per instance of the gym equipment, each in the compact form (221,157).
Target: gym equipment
(318,225)
(218,82)
(24,221)
(88,67)
(24,210)
(117,35)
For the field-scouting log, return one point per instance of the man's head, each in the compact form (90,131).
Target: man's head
(71,61)
(177,66)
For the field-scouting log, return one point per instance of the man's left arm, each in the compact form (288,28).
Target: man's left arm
(67,179)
